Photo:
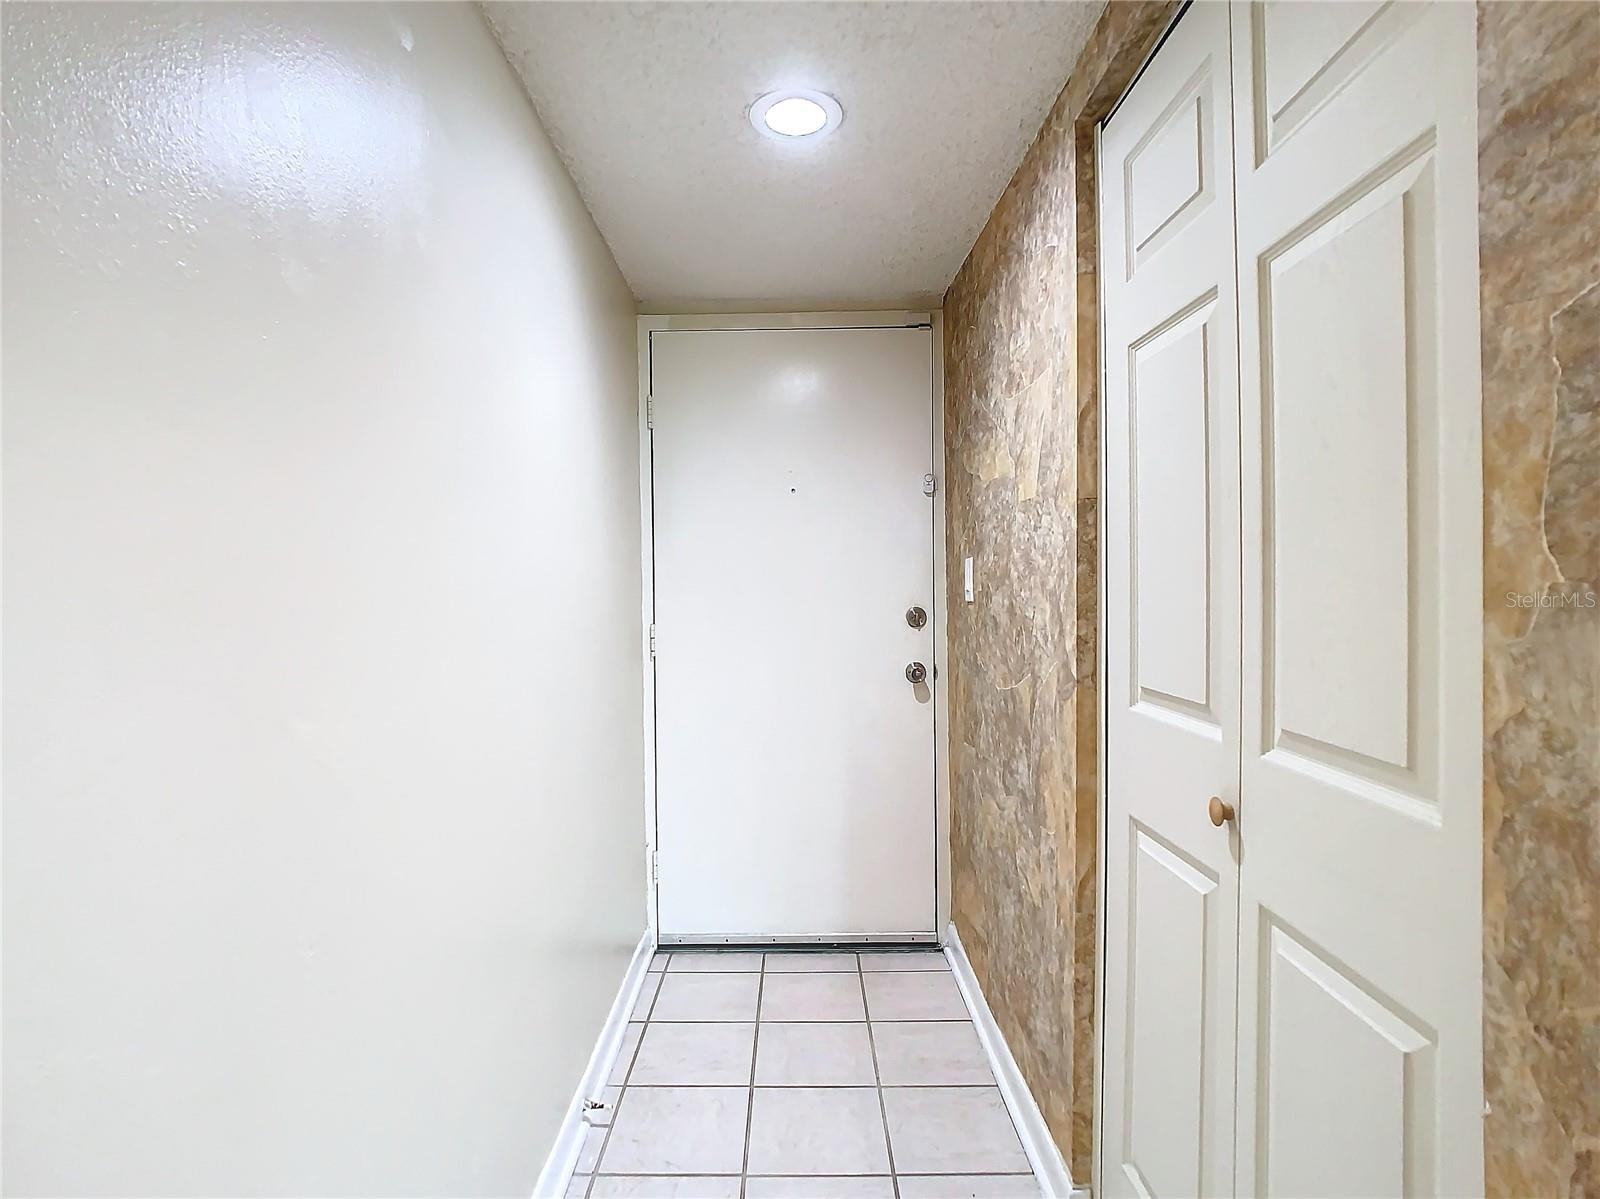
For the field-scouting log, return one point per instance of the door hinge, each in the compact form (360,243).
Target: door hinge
(652,642)
(649,412)
(929,485)
(655,869)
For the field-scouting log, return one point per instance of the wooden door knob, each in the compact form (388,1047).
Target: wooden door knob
(1219,811)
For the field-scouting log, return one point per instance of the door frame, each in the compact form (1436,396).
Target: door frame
(893,319)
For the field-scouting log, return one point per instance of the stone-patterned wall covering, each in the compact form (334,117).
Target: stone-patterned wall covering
(1021,412)
(1539,214)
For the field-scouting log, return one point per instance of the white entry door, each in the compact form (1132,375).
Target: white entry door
(794,757)
(1360,984)
(1172,621)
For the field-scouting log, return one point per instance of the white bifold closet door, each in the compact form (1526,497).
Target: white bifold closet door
(1172,621)
(1340,167)
(1361,911)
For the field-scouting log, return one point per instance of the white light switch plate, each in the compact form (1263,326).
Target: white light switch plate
(966,576)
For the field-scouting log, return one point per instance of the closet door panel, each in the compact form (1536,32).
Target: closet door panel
(1171,502)
(1172,622)
(1360,904)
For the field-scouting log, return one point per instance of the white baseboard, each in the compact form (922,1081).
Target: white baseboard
(558,1167)
(1048,1164)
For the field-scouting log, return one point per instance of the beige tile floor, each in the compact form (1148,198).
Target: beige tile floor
(802,1075)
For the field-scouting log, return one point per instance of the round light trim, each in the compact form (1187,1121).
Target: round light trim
(795,115)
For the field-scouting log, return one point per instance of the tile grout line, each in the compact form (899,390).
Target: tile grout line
(812,1086)
(622,1090)
(919,1020)
(750,1097)
(834,1174)
(877,1077)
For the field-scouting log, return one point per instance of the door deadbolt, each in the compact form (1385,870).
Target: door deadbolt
(916,617)
(916,673)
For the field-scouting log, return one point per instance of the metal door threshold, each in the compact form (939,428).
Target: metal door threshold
(810,941)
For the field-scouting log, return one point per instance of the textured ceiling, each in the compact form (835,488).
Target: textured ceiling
(646,103)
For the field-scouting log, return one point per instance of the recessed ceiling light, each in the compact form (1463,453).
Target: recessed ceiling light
(795,114)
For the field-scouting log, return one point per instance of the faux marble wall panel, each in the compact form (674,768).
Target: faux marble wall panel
(1539,214)
(1021,412)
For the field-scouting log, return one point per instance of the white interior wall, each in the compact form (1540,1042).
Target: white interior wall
(322,823)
